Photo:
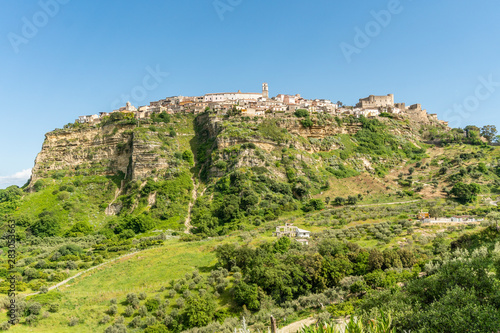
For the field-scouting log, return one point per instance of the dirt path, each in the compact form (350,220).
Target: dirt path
(194,196)
(85,271)
(295,327)
(387,203)
(109,210)
(374,205)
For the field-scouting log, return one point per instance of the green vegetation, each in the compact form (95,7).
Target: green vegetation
(354,325)
(130,188)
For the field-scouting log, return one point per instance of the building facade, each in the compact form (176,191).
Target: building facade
(376,101)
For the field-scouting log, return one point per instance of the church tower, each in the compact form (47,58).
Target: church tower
(265,90)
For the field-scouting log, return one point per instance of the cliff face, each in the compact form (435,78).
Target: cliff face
(108,150)
(137,152)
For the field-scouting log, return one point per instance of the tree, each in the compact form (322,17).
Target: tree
(133,300)
(140,223)
(435,212)
(307,122)
(439,246)
(472,128)
(301,113)
(494,217)
(335,269)
(314,204)
(248,199)
(339,201)
(39,185)
(352,200)
(11,193)
(152,304)
(46,226)
(70,249)
(443,170)
(248,295)
(226,255)
(282,245)
(80,229)
(199,311)
(332,247)
(465,193)
(375,260)
(187,156)
(489,132)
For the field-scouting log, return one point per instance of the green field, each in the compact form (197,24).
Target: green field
(88,296)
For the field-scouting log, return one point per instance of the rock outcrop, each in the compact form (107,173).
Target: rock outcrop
(107,150)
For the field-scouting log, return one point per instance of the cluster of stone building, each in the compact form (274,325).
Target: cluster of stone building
(261,105)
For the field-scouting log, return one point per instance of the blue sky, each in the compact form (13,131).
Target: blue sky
(86,55)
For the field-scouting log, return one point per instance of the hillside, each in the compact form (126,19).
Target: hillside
(101,191)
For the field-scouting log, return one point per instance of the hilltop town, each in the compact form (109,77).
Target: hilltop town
(261,105)
(258,196)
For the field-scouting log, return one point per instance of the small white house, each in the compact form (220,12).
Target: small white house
(301,233)
(291,231)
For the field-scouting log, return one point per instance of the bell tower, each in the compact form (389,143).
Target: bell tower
(265,90)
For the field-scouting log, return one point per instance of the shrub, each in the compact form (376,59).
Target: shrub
(133,300)
(47,225)
(112,310)
(301,113)
(54,307)
(135,323)
(129,311)
(34,308)
(307,122)
(31,320)
(465,193)
(143,311)
(73,321)
(116,328)
(152,304)
(5,326)
(187,156)
(180,302)
(39,185)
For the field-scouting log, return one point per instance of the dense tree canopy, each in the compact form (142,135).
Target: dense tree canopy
(465,193)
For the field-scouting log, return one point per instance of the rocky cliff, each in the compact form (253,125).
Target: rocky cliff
(107,150)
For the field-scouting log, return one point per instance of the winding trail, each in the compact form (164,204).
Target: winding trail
(109,210)
(194,196)
(296,326)
(85,271)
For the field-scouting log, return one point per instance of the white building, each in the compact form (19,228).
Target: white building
(301,233)
(236,96)
(87,119)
